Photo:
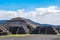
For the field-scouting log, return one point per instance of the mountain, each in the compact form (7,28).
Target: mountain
(2,21)
(39,24)
(35,23)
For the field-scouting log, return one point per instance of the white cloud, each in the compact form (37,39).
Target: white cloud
(48,15)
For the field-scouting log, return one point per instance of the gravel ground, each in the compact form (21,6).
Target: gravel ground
(33,37)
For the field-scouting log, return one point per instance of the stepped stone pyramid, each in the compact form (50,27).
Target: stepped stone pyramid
(24,26)
(19,25)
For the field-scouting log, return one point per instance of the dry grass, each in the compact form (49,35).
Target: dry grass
(13,35)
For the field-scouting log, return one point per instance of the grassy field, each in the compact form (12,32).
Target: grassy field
(13,35)
(30,37)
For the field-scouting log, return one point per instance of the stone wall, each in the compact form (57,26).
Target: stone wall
(43,30)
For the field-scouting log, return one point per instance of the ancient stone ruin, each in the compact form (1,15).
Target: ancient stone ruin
(23,26)
(18,26)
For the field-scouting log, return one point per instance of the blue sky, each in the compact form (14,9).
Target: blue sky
(26,4)
(41,11)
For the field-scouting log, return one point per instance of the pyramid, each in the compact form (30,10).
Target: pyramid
(24,26)
(20,25)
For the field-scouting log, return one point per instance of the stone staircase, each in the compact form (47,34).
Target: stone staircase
(4,30)
(26,30)
(29,23)
(55,30)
